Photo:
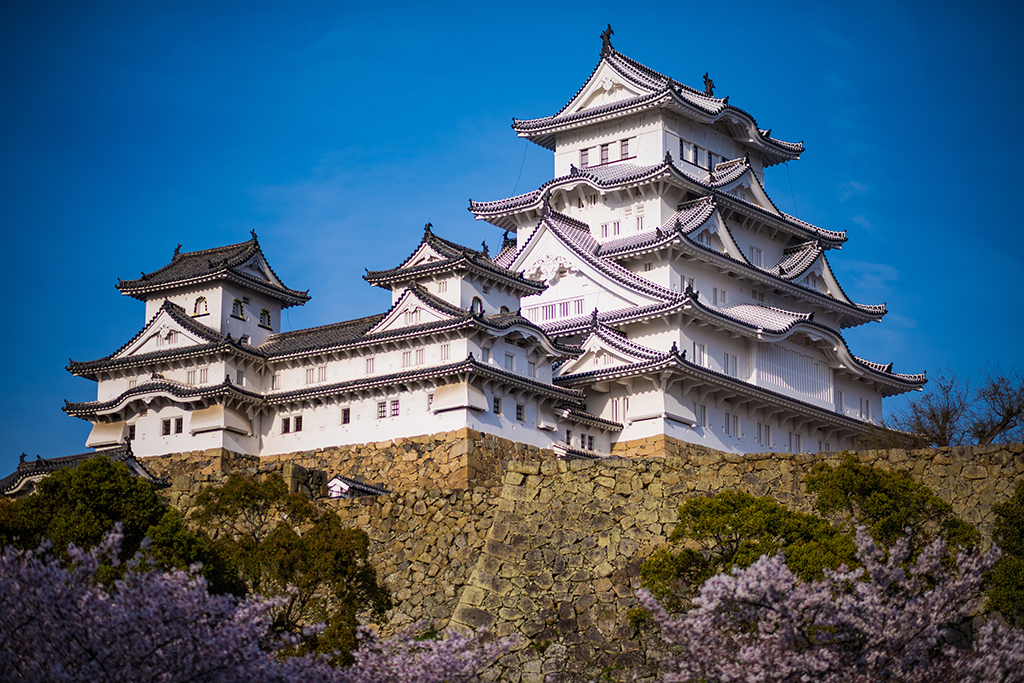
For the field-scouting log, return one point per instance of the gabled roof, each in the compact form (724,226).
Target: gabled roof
(576,236)
(654,90)
(615,176)
(469,366)
(40,467)
(165,387)
(435,255)
(215,342)
(362,331)
(797,259)
(219,263)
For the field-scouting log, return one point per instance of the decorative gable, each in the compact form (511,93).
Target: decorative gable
(411,310)
(605,86)
(162,333)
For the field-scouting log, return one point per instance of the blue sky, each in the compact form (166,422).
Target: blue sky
(337,130)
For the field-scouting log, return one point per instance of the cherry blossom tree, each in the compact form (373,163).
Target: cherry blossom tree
(59,624)
(889,620)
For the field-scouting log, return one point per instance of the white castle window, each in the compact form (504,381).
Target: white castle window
(531,369)
(369,366)
(730,365)
(756,256)
(700,354)
(346,416)
(200,307)
(446,351)
(624,149)
(510,362)
(382,409)
(204,375)
(555,311)
(265,318)
(605,154)
(720,296)
(442,286)
(395,408)
(792,370)
(584,158)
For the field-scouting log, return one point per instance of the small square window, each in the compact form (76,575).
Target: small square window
(297,423)
(382,409)
(521,413)
(346,416)
(590,443)
(568,437)
(286,425)
(131,432)
(165,428)
(497,406)
(179,425)
(395,409)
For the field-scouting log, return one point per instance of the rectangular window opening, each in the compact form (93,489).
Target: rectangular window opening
(382,409)
(395,408)
(521,413)
(346,416)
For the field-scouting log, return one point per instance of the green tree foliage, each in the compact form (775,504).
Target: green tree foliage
(734,529)
(888,503)
(1006,593)
(80,505)
(282,545)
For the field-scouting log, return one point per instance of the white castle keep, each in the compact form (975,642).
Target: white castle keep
(651,288)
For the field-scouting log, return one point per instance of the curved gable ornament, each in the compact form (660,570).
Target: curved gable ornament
(549,268)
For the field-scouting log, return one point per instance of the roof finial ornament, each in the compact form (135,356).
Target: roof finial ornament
(768,133)
(675,348)
(426,228)
(573,170)
(606,40)
(709,85)
(253,233)
(668,156)
(484,245)
(593,319)
(21,458)
(177,250)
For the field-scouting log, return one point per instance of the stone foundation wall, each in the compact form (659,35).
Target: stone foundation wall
(452,460)
(554,553)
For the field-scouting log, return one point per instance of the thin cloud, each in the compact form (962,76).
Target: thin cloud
(851,188)
(869,279)
(863,222)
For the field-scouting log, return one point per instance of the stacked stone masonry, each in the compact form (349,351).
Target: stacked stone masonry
(553,555)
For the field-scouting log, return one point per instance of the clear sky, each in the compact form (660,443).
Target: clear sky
(336,130)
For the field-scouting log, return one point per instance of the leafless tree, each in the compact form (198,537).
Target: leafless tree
(956,410)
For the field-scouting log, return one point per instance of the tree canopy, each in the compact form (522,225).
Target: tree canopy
(283,546)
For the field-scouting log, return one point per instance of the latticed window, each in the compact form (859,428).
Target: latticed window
(395,408)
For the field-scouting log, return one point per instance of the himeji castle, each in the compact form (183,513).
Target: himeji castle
(651,288)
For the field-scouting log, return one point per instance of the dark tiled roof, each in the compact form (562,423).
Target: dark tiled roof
(357,488)
(456,257)
(470,365)
(579,415)
(42,466)
(210,264)
(160,385)
(357,332)
(322,337)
